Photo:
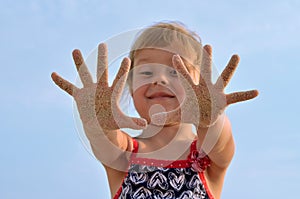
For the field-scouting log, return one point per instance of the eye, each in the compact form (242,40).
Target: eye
(173,73)
(147,73)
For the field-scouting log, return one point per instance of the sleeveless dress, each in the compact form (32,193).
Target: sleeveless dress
(164,179)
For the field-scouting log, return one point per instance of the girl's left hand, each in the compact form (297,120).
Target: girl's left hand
(205,101)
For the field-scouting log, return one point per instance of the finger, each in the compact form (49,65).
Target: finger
(133,123)
(180,67)
(63,84)
(227,73)
(121,77)
(164,118)
(205,70)
(102,64)
(241,96)
(82,69)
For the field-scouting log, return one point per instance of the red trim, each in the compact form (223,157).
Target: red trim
(133,154)
(165,163)
(161,163)
(118,192)
(203,179)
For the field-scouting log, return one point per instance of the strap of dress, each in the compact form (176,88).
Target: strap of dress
(135,147)
(199,159)
(193,146)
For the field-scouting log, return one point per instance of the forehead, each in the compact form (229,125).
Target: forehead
(161,55)
(152,55)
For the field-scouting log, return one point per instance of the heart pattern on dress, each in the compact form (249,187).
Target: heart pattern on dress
(176,181)
(157,194)
(186,195)
(142,193)
(126,191)
(194,182)
(158,179)
(138,178)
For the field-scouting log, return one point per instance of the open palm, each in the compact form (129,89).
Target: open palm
(206,100)
(97,103)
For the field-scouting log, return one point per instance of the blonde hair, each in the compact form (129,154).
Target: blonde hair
(165,34)
(170,34)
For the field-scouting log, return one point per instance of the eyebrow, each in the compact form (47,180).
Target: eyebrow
(141,60)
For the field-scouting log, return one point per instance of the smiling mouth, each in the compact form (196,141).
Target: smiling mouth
(161,95)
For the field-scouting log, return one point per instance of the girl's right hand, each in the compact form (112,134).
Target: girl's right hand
(97,103)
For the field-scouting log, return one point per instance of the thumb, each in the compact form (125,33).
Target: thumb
(133,123)
(164,118)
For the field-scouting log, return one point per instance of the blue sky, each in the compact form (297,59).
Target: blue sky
(41,153)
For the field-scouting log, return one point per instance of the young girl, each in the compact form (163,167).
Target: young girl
(170,81)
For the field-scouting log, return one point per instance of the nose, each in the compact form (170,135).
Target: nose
(160,79)
(162,82)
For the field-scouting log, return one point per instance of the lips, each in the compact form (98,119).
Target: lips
(159,95)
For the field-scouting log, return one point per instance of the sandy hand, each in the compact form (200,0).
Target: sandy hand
(205,101)
(97,103)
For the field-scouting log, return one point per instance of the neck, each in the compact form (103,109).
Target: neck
(163,135)
(166,142)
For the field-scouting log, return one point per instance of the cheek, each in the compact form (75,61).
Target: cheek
(138,96)
(140,103)
(138,92)
(179,91)
(138,83)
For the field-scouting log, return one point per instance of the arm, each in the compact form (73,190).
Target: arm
(220,147)
(217,141)
(111,147)
(204,107)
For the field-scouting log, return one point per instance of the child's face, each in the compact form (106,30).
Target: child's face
(156,86)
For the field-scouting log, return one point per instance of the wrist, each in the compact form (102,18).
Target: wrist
(93,129)
(212,123)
